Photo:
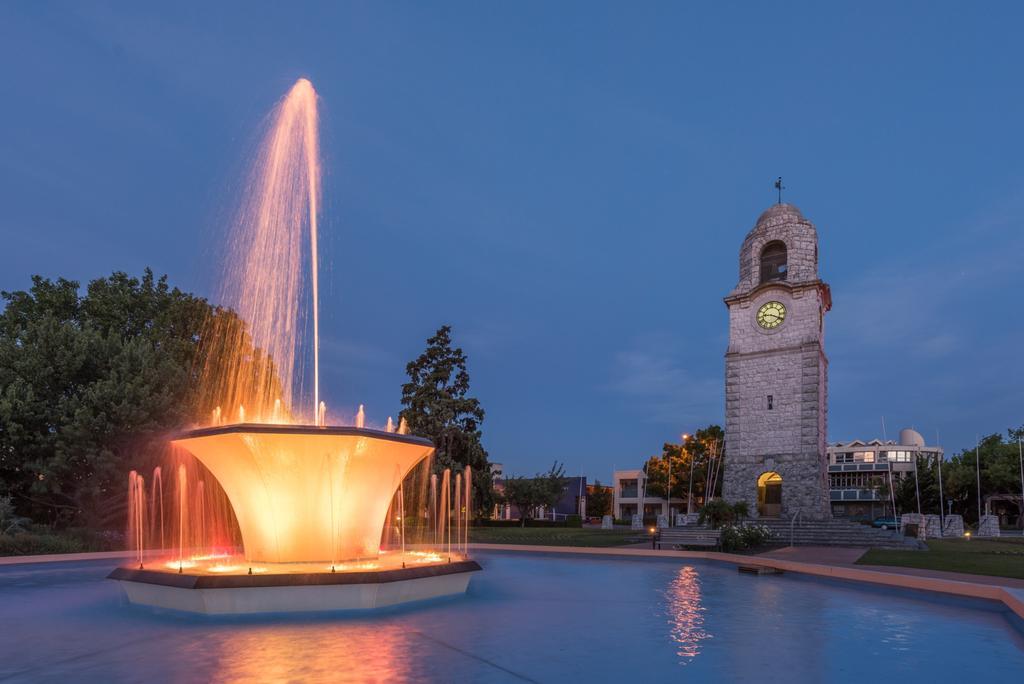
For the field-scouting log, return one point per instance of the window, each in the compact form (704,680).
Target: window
(854,481)
(899,456)
(864,457)
(844,457)
(628,489)
(770,402)
(773,261)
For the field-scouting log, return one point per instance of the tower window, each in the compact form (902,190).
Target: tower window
(773,261)
(771,402)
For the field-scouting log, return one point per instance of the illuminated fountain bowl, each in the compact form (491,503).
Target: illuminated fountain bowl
(308,500)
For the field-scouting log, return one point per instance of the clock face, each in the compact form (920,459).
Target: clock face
(771,315)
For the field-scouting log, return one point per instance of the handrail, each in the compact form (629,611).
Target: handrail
(792,525)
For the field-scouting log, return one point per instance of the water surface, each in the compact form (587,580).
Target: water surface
(525,618)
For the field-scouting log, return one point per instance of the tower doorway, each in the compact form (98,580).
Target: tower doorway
(769,495)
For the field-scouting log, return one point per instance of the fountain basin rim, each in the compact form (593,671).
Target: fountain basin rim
(192,581)
(285,429)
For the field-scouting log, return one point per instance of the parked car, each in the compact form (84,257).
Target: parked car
(885,523)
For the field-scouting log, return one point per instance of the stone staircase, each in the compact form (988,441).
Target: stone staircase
(835,533)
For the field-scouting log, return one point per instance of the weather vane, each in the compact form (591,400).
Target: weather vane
(780,187)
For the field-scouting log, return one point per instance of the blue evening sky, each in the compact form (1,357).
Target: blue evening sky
(567,184)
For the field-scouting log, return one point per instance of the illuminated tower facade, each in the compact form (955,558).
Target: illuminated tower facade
(776,372)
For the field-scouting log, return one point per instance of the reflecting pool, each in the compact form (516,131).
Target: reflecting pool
(527,618)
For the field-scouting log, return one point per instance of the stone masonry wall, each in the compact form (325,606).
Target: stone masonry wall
(787,363)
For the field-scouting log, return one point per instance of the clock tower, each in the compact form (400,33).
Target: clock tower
(776,372)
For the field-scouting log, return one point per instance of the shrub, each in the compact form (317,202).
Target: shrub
(40,539)
(30,543)
(574,521)
(518,523)
(718,512)
(744,536)
(10,522)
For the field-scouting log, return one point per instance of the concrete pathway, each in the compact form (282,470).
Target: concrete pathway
(956,576)
(847,557)
(822,555)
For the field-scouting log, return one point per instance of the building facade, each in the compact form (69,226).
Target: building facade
(776,372)
(630,497)
(860,473)
(573,501)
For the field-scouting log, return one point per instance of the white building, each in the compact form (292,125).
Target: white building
(858,470)
(628,498)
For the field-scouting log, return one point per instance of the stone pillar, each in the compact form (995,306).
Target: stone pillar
(989,526)
(913,519)
(637,522)
(933,526)
(662,521)
(954,526)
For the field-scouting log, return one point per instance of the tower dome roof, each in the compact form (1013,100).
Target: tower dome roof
(786,224)
(780,213)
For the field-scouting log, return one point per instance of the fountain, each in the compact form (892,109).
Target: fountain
(273,509)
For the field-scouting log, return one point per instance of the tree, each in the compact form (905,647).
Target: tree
(703,449)
(906,488)
(1000,473)
(438,406)
(529,493)
(599,501)
(89,386)
(520,492)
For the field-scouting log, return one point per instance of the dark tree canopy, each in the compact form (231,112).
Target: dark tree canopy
(528,493)
(438,406)
(599,501)
(704,450)
(89,386)
(1000,474)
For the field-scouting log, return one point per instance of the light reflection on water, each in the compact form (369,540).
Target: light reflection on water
(316,652)
(686,614)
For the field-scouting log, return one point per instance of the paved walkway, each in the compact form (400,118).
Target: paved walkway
(822,555)
(847,557)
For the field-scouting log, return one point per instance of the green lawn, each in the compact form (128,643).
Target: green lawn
(1003,557)
(553,536)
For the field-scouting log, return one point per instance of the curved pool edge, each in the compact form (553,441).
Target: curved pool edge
(1011,597)
(64,557)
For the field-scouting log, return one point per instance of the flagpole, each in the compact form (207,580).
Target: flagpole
(977,469)
(939,458)
(1020,455)
(689,495)
(917,485)
(668,487)
(643,493)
